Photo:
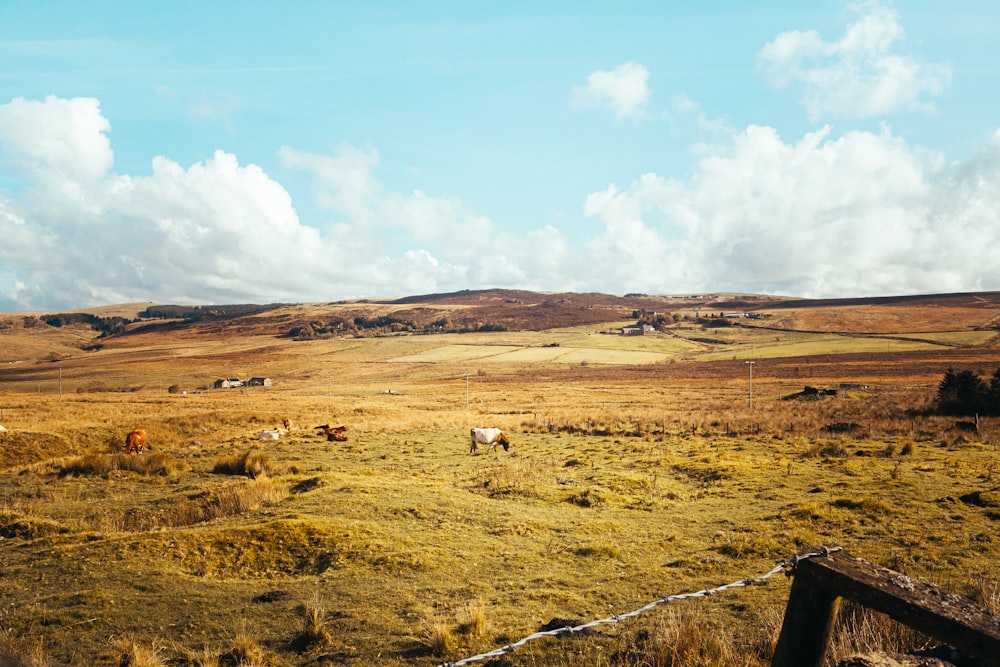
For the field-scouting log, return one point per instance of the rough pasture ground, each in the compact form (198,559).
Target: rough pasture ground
(625,483)
(610,498)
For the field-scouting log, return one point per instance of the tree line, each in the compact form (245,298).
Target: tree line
(965,393)
(108,326)
(195,313)
(383,325)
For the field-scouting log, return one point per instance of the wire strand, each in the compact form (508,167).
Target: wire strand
(787,565)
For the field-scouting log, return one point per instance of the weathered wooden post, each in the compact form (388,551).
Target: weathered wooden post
(808,623)
(821,580)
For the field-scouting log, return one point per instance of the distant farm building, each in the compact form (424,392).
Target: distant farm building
(259,382)
(228,383)
(636,331)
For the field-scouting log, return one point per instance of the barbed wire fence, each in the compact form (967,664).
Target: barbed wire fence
(786,565)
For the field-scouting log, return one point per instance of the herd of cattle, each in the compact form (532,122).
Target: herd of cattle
(493,437)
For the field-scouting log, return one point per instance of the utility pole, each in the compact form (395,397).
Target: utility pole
(750,364)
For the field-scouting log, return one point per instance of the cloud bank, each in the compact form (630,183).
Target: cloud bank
(822,215)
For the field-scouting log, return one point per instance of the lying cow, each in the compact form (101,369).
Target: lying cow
(272,434)
(338,433)
(135,441)
(488,436)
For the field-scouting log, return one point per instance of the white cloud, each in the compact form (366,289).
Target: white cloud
(823,215)
(217,231)
(860,74)
(861,214)
(57,142)
(623,89)
(346,184)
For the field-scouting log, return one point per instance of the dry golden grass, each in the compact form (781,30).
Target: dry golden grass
(438,638)
(623,484)
(252,463)
(135,653)
(315,636)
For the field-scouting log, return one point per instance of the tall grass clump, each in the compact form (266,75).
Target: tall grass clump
(686,638)
(246,649)
(94,464)
(136,654)
(314,635)
(474,621)
(229,501)
(861,630)
(438,638)
(14,653)
(252,463)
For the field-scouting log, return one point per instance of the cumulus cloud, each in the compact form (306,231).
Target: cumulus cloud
(862,74)
(217,231)
(624,90)
(859,213)
(58,142)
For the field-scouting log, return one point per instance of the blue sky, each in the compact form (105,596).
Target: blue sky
(222,152)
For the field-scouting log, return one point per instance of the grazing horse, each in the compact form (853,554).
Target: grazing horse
(135,441)
(488,436)
(338,433)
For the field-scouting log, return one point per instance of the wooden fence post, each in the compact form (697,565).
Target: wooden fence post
(821,580)
(808,623)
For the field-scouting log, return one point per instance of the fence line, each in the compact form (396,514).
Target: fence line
(787,565)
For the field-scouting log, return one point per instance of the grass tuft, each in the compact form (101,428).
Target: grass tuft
(15,653)
(474,621)
(94,464)
(861,630)
(439,639)
(136,654)
(252,463)
(246,650)
(314,636)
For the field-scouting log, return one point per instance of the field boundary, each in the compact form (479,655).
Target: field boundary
(787,565)
(819,586)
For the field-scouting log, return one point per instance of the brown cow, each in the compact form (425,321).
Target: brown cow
(135,441)
(287,423)
(338,433)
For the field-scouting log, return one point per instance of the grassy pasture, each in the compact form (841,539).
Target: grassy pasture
(804,345)
(626,482)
